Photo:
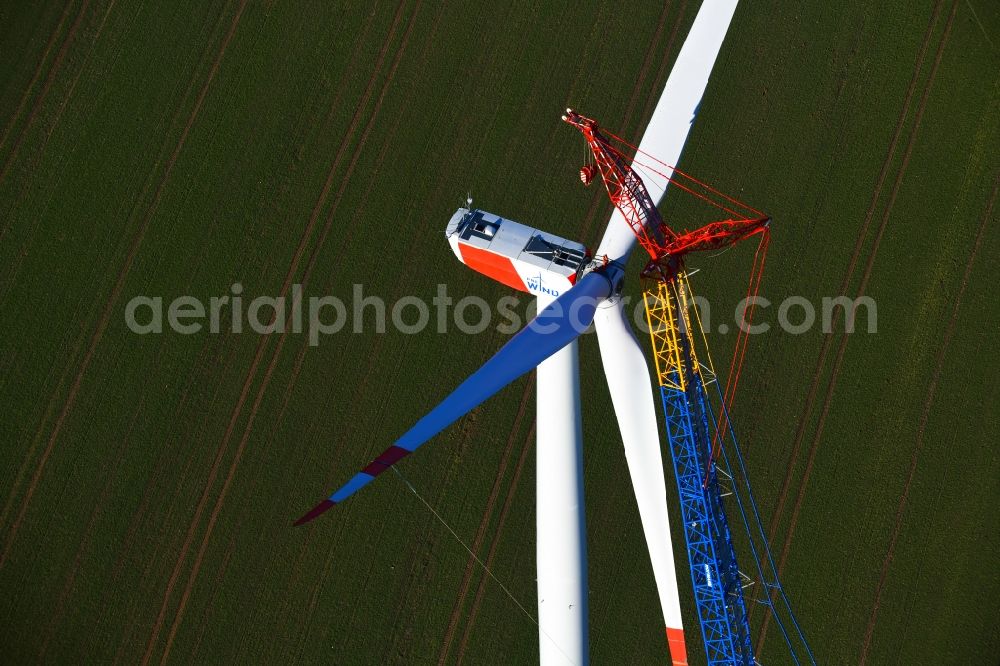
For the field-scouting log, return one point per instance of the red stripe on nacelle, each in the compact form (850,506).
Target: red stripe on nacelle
(491,265)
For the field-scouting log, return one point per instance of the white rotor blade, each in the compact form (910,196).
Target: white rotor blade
(668,128)
(632,395)
(561,550)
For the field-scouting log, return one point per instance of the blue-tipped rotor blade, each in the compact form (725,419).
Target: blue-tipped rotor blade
(565,319)
(556,326)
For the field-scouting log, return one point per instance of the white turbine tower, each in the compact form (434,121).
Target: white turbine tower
(548,266)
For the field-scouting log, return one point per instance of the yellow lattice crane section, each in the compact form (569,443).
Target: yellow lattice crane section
(668,308)
(661,316)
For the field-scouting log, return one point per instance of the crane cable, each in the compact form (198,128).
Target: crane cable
(742,342)
(689,189)
(688,177)
(488,571)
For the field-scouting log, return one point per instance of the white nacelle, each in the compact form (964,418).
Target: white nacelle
(515,254)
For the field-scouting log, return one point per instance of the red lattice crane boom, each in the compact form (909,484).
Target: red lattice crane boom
(628,193)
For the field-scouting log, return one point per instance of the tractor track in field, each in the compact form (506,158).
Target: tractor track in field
(67,588)
(68,403)
(265,381)
(918,445)
(287,600)
(103,322)
(317,209)
(755,421)
(150,491)
(40,98)
(167,541)
(647,61)
(504,511)
(35,441)
(324,571)
(230,355)
(116,291)
(477,540)
(59,607)
(770,346)
(76,79)
(148,496)
(12,271)
(297,256)
(161,462)
(30,236)
(51,406)
(855,255)
(12,121)
(338,261)
(81,335)
(272,366)
(359,394)
(307,613)
(418,564)
(314,598)
(216,584)
(838,360)
(286,606)
(418,576)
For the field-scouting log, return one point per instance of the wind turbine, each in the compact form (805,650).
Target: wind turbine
(573,294)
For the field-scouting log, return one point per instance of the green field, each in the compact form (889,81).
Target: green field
(149,481)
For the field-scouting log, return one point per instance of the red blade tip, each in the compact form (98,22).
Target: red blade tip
(314,512)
